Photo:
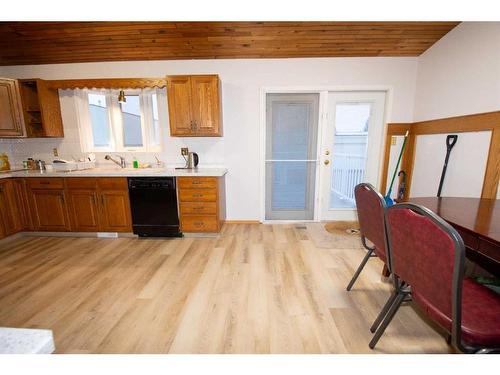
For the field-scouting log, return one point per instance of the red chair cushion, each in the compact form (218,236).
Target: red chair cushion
(480,314)
(370,208)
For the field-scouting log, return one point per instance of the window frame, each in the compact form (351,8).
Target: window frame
(115,120)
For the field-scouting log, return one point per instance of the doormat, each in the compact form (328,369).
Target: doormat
(334,236)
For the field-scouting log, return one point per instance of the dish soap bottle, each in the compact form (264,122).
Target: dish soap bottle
(4,162)
(135,163)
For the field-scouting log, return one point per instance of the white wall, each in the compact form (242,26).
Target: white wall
(241,80)
(458,75)
(466,165)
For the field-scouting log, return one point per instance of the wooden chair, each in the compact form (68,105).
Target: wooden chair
(427,258)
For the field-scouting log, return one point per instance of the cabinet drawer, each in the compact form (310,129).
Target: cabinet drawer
(46,183)
(112,183)
(198,195)
(196,223)
(81,183)
(189,208)
(197,182)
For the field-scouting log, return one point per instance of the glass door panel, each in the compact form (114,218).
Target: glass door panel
(291,155)
(352,140)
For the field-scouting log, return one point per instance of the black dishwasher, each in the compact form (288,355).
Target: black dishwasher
(153,201)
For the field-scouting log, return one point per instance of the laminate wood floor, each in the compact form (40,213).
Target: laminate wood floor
(254,289)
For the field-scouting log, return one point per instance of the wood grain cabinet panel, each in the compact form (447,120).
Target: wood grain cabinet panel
(83,210)
(11,119)
(198,208)
(22,203)
(115,211)
(180,105)
(196,223)
(205,100)
(49,210)
(41,109)
(201,203)
(198,195)
(194,106)
(11,220)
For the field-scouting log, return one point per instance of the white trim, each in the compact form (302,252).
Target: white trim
(323,91)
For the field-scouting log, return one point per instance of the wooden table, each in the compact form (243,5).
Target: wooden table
(477,221)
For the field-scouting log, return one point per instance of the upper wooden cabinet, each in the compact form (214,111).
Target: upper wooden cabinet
(41,109)
(11,119)
(194,106)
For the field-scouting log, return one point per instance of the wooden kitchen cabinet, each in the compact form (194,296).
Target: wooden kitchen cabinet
(48,204)
(41,109)
(99,204)
(49,210)
(115,213)
(11,221)
(11,119)
(22,203)
(194,106)
(201,203)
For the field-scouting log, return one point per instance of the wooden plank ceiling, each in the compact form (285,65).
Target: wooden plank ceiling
(72,42)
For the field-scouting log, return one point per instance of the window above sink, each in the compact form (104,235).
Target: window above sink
(107,125)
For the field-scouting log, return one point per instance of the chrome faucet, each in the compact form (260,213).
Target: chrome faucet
(121,163)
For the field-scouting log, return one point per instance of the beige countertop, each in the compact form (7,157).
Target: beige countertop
(123,172)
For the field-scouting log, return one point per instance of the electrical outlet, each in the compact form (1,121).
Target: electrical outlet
(184,151)
(393,141)
(55,152)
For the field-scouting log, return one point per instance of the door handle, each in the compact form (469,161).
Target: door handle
(326,162)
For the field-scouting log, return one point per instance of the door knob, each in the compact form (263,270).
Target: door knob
(327,152)
(326,162)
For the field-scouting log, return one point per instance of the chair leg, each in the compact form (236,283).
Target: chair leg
(360,268)
(388,318)
(383,312)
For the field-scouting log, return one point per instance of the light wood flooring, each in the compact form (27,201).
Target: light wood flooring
(254,289)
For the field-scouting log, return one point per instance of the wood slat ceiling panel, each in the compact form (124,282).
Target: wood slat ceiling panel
(72,42)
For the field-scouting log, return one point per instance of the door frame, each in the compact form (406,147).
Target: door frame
(322,119)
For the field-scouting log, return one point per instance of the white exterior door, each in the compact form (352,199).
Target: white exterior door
(351,145)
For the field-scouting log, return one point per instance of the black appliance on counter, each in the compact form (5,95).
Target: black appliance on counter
(153,201)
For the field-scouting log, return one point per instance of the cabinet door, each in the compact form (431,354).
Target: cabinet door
(179,105)
(205,101)
(50,108)
(22,203)
(9,208)
(11,121)
(83,210)
(115,211)
(49,212)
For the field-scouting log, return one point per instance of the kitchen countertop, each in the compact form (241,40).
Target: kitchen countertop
(123,172)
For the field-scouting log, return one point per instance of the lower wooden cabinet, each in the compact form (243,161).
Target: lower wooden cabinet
(80,204)
(99,204)
(49,210)
(22,203)
(10,221)
(83,210)
(115,214)
(201,203)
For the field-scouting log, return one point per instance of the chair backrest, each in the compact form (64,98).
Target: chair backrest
(428,254)
(371,216)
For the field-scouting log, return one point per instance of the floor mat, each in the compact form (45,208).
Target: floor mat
(333,237)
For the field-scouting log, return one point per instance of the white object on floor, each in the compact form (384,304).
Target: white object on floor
(26,341)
